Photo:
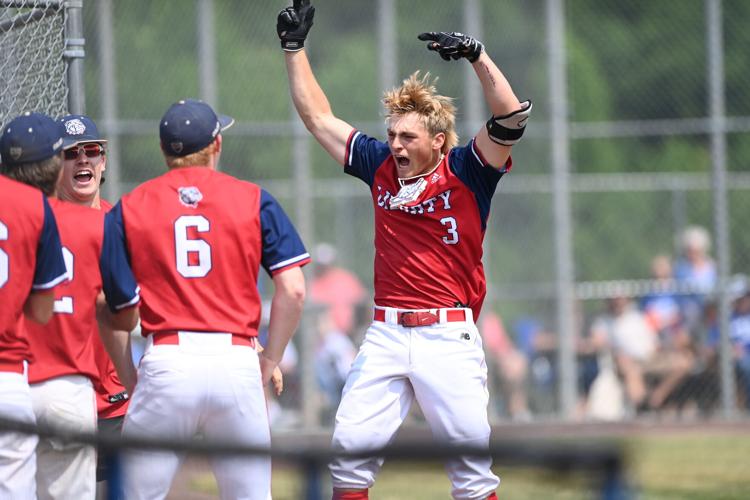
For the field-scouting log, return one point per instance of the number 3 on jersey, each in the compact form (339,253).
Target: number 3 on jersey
(193,255)
(452,228)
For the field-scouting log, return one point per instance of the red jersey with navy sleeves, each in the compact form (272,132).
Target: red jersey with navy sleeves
(428,254)
(64,345)
(194,240)
(30,259)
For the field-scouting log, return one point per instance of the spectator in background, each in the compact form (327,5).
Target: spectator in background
(538,347)
(739,332)
(662,306)
(336,288)
(697,270)
(676,357)
(632,343)
(510,364)
(337,293)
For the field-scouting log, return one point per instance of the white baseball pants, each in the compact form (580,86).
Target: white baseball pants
(205,385)
(442,366)
(65,470)
(17,451)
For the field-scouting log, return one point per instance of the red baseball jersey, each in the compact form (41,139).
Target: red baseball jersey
(429,254)
(111,397)
(64,345)
(194,239)
(30,259)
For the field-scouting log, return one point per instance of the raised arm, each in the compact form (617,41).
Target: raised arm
(311,103)
(509,116)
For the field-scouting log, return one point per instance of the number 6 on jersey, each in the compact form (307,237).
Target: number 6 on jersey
(185,246)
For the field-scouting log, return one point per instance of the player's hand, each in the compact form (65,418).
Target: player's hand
(277,379)
(293,23)
(453,45)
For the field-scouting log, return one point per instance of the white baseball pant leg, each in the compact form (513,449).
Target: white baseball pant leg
(375,401)
(65,470)
(205,384)
(449,376)
(17,451)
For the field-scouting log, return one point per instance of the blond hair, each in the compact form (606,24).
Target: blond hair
(419,95)
(197,159)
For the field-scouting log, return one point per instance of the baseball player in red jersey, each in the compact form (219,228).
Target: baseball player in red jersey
(431,200)
(64,370)
(84,163)
(31,265)
(195,239)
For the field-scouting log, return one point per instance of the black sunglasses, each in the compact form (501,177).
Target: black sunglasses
(90,150)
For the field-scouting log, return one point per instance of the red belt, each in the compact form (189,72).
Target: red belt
(12,366)
(422,318)
(173,338)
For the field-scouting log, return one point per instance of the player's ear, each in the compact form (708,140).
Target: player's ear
(438,140)
(217,143)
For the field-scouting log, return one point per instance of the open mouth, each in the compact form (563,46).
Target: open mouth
(402,161)
(83,176)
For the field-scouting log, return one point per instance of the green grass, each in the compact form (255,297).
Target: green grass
(660,467)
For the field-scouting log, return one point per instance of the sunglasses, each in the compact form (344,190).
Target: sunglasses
(90,150)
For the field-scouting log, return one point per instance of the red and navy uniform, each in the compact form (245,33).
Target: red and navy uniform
(68,351)
(111,397)
(30,259)
(196,267)
(428,255)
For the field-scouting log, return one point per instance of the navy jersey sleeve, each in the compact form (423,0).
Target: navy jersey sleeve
(281,246)
(50,265)
(118,282)
(481,178)
(364,155)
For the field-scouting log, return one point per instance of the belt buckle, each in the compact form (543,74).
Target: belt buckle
(411,319)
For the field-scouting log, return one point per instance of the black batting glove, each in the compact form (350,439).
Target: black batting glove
(293,23)
(453,45)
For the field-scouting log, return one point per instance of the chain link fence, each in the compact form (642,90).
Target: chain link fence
(597,308)
(32,67)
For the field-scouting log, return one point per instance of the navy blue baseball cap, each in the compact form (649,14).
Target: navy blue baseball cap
(28,138)
(79,128)
(190,125)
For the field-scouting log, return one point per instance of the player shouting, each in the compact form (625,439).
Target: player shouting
(431,200)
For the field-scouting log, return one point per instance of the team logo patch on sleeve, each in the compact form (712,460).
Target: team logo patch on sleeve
(190,196)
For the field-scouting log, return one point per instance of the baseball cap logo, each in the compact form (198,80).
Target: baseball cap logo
(176,147)
(75,127)
(15,152)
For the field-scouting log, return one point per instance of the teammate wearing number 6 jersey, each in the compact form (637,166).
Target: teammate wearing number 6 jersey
(195,240)
(431,200)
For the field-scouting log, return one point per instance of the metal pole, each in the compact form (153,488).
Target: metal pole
(559,134)
(721,211)
(304,209)
(74,55)
(474,101)
(108,92)
(207,51)
(388,55)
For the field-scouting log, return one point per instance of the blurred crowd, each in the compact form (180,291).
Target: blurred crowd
(655,354)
